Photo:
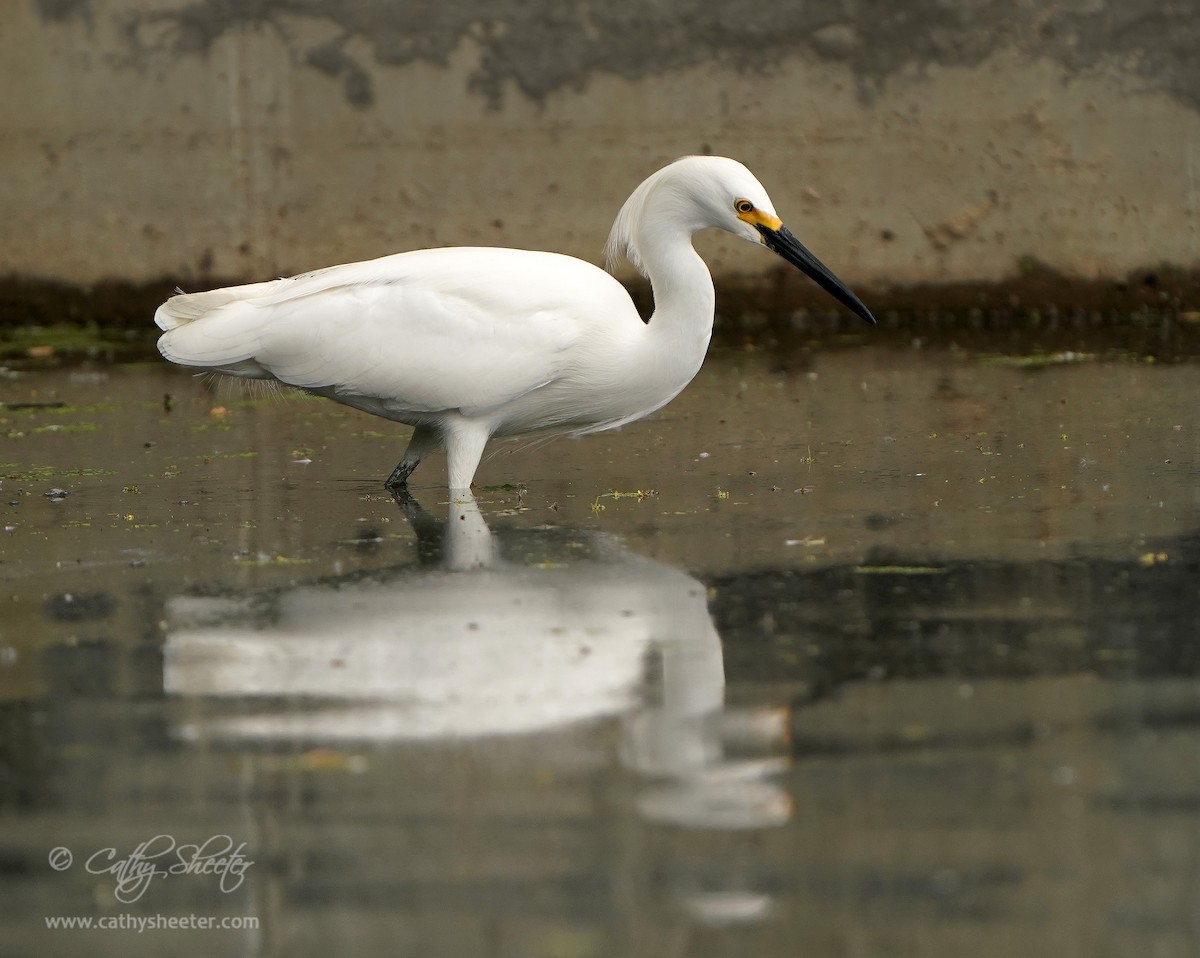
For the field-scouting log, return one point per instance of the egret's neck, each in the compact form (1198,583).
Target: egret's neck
(684,299)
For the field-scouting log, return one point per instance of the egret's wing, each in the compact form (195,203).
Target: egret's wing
(463,328)
(447,332)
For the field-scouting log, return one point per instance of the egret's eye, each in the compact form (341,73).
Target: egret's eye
(744,206)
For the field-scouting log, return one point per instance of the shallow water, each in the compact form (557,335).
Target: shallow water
(869,650)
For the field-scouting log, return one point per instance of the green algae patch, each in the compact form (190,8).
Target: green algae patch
(20,472)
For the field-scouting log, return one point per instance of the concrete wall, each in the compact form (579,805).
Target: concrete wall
(923,141)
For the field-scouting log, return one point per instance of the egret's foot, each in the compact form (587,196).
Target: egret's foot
(399,477)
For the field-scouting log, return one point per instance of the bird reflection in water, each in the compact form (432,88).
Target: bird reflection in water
(512,633)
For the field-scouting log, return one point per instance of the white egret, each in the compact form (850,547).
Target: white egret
(466,343)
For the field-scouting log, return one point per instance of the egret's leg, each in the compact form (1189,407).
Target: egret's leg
(424,440)
(464,448)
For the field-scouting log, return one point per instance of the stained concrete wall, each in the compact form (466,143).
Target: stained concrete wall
(922,141)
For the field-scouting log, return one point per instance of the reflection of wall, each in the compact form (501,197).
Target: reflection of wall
(917,142)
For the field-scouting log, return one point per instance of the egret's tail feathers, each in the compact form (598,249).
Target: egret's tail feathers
(220,343)
(219,329)
(186,307)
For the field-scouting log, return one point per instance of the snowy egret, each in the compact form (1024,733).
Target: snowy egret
(466,343)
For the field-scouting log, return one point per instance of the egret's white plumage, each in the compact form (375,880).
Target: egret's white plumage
(466,343)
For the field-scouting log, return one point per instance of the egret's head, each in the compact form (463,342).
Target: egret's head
(698,192)
(754,219)
(713,191)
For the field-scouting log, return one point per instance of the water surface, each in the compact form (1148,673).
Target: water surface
(876,649)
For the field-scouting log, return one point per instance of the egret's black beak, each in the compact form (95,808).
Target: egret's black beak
(782,241)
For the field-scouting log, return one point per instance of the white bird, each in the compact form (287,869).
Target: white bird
(466,343)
